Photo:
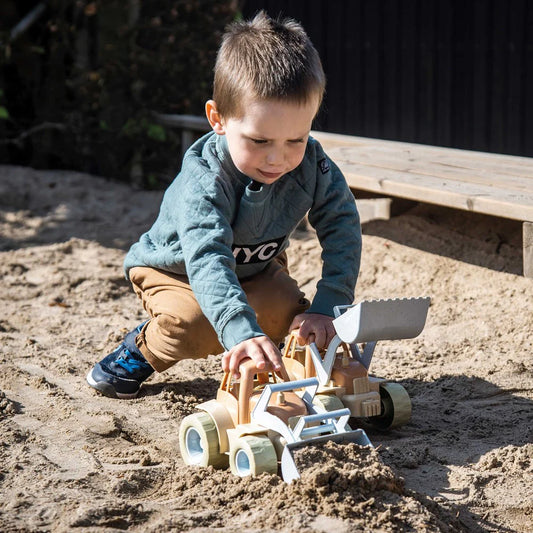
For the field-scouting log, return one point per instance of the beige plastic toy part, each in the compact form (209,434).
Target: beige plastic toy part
(374,320)
(254,421)
(343,369)
(198,435)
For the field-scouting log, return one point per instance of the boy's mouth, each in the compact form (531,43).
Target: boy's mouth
(270,175)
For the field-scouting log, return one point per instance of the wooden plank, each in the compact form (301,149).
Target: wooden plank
(419,158)
(328,140)
(422,156)
(427,188)
(491,175)
(186,122)
(528,249)
(389,167)
(374,178)
(416,155)
(471,161)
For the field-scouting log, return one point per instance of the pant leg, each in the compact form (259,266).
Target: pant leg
(179,330)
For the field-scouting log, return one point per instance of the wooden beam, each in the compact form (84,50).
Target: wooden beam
(187,124)
(527,244)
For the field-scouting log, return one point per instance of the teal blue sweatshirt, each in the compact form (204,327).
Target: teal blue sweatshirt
(216,229)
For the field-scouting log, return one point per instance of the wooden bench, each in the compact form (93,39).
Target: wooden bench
(188,124)
(490,184)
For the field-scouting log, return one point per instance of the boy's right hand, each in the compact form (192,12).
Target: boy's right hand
(259,349)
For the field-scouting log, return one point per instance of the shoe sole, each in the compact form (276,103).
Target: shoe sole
(108,390)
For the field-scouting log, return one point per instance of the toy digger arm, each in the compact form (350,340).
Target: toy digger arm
(369,322)
(323,366)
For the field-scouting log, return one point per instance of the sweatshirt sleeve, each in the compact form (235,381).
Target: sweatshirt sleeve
(336,220)
(203,221)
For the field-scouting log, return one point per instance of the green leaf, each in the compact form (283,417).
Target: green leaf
(4,113)
(131,128)
(156,132)
(152,182)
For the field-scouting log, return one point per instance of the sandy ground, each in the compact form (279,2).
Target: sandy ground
(71,460)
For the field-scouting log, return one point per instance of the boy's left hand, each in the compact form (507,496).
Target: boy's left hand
(313,324)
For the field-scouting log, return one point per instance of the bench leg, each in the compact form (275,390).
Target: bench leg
(186,141)
(527,244)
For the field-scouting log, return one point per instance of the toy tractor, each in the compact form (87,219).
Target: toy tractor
(342,370)
(256,422)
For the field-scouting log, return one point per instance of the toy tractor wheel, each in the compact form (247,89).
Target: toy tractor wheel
(328,402)
(395,407)
(253,454)
(199,441)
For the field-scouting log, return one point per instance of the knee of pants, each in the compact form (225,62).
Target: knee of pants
(276,299)
(275,322)
(168,339)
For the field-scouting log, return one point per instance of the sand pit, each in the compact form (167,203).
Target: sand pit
(72,460)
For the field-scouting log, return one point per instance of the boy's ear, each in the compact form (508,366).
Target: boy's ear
(214,117)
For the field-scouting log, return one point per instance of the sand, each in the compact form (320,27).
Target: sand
(72,460)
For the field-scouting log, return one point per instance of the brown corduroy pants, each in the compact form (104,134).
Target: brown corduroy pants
(178,329)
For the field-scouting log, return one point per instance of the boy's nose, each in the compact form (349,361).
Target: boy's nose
(274,157)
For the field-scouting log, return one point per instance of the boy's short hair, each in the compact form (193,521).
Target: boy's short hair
(266,59)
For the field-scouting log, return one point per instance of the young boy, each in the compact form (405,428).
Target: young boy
(212,271)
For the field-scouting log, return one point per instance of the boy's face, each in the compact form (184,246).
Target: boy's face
(270,137)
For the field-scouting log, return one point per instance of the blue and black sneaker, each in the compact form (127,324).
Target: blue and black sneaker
(121,373)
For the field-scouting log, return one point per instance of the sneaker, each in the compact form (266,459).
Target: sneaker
(121,373)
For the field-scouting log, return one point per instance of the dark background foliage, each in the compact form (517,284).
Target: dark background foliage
(78,86)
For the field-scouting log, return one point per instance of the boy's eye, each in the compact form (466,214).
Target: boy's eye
(265,141)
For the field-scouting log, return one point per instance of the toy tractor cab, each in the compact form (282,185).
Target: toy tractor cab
(240,396)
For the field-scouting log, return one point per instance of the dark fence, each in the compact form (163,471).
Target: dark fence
(445,72)
(79,81)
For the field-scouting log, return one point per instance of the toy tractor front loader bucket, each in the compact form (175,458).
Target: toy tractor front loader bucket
(375,320)
(315,427)
(289,469)
(369,322)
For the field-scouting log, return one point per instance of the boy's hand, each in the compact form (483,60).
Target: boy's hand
(259,349)
(313,327)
